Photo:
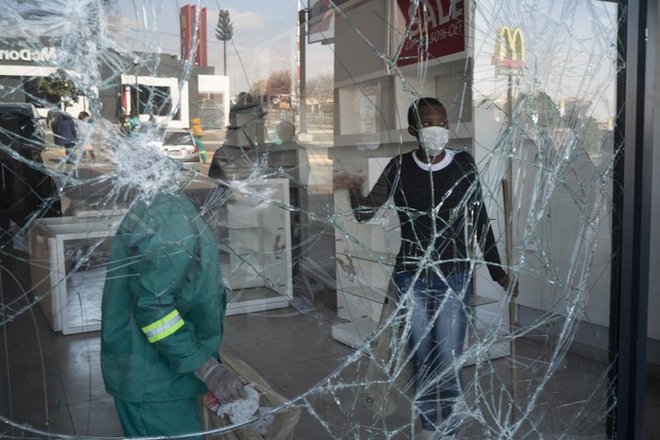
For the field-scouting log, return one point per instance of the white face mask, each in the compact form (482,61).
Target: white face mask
(434,139)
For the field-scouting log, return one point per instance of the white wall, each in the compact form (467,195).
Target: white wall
(216,84)
(178,91)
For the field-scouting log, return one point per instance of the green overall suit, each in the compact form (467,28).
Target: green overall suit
(162,315)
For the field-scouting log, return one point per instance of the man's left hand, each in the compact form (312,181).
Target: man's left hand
(505,282)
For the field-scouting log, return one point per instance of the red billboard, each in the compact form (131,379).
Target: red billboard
(188,23)
(434,28)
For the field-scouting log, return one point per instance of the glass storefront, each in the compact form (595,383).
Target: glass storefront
(427,219)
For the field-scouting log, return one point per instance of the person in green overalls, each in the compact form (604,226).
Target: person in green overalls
(162,319)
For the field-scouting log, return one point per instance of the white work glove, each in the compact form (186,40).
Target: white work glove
(225,386)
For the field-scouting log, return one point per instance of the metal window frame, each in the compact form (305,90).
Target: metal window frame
(631,231)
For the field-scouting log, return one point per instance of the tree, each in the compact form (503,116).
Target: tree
(321,88)
(224,32)
(259,87)
(58,88)
(279,83)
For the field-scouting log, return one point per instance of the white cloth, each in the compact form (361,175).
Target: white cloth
(241,410)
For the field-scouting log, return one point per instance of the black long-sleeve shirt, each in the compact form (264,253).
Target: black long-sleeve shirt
(441,212)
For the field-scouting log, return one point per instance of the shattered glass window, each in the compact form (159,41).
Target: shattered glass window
(256,181)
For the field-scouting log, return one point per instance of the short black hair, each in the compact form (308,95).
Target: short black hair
(413,110)
(286,131)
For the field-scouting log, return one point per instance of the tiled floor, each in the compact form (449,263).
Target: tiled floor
(53,382)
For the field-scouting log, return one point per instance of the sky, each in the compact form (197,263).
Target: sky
(264,36)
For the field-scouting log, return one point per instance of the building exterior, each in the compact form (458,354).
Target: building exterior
(194,38)
(161,85)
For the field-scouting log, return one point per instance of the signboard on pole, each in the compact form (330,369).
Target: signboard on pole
(509,56)
(434,28)
(321,23)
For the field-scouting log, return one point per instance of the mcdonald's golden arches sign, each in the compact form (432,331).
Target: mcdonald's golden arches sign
(509,56)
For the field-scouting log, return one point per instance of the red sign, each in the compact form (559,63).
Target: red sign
(188,26)
(435,28)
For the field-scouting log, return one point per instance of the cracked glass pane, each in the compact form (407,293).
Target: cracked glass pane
(386,219)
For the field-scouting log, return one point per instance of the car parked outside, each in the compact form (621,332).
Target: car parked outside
(180,146)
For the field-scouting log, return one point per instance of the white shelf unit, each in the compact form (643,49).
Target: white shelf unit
(256,248)
(365,258)
(68,259)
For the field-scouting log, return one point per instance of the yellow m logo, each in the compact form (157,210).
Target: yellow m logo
(509,47)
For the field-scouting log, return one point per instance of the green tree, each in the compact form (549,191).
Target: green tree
(58,88)
(277,83)
(259,88)
(224,32)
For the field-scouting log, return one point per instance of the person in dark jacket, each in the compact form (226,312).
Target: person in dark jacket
(27,191)
(443,220)
(67,135)
(162,319)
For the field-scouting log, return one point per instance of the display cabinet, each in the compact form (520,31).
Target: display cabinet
(68,261)
(255,247)
(290,160)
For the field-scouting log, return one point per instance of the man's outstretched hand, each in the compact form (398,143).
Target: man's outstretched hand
(347,181)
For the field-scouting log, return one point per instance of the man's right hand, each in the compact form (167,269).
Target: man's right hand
(225,386)
(347,181)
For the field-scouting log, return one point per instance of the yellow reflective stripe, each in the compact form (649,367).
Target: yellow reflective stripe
(159,330)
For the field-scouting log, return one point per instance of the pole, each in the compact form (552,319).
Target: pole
(137,88)
(506,195)
(224,54)
(302,22)
(137,96)
(508,225)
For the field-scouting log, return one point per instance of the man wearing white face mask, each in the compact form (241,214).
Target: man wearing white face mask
(438,198)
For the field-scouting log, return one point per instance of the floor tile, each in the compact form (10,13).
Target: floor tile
(295,352)
(84,385)
(30,392)
(76,352)
(55,420)
(96,418)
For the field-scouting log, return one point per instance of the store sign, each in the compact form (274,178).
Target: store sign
(509,56)
(321,20)
(34,55)
(435,28)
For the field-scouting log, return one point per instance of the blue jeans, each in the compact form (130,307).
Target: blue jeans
(438,313)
